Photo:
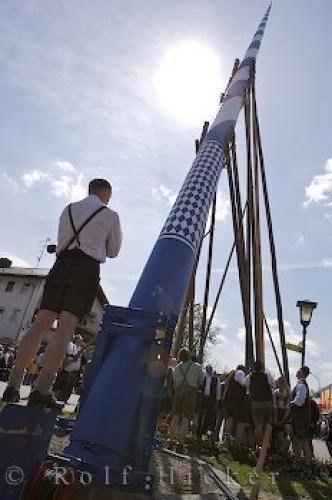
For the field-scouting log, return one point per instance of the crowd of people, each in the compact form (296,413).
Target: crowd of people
(7,356)
(197,402)
(69,376)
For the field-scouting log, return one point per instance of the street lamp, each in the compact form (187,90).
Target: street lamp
(306,308)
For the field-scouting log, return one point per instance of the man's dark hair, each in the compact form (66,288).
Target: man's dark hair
(184,355)
(97,184)
(241,367)
(305,370)
(258,366)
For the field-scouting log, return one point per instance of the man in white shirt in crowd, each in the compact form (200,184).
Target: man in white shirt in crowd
(88,232)
(301,417)
(71,369)
(219,406)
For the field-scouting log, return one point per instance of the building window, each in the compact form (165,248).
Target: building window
(10,286)
(25,287)
(2,312)
(14,316)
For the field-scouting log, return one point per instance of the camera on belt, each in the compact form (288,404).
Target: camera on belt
(51,248)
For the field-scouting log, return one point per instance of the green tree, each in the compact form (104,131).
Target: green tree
(192,342)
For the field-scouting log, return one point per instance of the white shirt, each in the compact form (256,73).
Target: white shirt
(101,237)
(75,365)
(194,374)
(301,393)
(240,377)
(6,357)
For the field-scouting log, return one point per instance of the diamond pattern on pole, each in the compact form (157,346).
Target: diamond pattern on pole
(187,219)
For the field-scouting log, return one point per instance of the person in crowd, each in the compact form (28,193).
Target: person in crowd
(329,434)
(301,420)
(6,363)
(234,403)
(40,357)
(219,410)
(3,371)
(71,370)
(88,232)
(31,371)
(188,377)
(260,387)
(281,427)
(167,399)
(324,427)
(207,402)
(314,419)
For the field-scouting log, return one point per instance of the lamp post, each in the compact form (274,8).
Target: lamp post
(306,308)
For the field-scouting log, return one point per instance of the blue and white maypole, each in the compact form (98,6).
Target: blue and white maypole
(118,416)
(163,283)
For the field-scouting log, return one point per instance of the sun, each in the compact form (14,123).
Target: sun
(188,82)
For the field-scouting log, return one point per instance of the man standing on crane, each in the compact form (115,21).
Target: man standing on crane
(88,232)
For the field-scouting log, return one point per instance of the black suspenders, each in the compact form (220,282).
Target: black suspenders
(77,231)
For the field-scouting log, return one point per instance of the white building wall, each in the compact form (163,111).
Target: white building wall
(21,299)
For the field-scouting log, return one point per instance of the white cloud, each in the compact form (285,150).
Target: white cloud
(65,165)
(11,181)
(68,185)
(162,192)
(33,176)
(223,205)
(299,239)
(320,188)
(326,262)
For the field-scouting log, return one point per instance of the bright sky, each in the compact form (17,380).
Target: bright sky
(121,89)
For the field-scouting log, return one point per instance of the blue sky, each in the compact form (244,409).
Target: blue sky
(120,89)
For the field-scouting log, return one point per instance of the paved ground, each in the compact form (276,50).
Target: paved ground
(321,451)
(25,391)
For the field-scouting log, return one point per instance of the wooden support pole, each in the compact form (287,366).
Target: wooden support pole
(260,462)
(258,276)
(207,280)
(238,235)
(249,348)
(272,244)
